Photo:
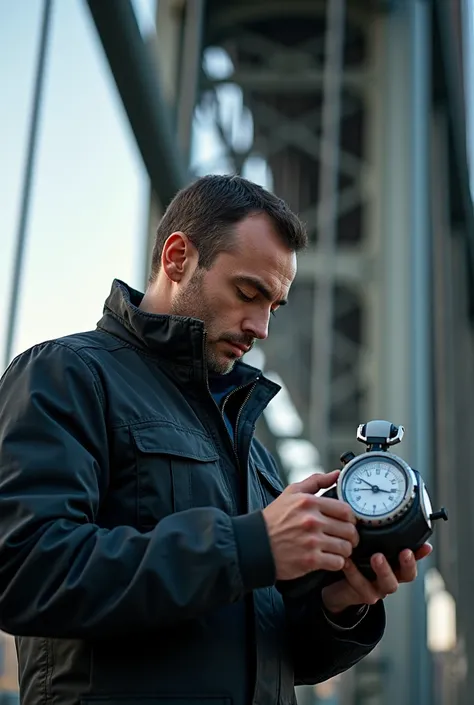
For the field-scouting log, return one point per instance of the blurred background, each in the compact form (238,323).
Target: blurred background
(359,114)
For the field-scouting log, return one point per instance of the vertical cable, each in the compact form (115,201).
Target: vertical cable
(27,182)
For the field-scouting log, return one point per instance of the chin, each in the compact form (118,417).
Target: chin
(221,367)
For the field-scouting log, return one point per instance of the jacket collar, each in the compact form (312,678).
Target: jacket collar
(177,340)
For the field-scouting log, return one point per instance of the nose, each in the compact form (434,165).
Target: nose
(257,325)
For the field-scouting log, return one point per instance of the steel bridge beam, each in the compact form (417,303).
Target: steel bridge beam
(448,90)
(137,80)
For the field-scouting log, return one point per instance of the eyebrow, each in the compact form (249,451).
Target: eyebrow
(260,287)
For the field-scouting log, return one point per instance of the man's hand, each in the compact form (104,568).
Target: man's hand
(309,533)
(355,589)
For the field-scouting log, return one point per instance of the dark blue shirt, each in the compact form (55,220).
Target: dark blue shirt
(221,386)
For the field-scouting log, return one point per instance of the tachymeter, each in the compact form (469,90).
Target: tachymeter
(375,488)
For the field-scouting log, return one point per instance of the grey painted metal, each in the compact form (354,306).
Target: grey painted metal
(327,213)
(448,74)
(454,370)
(137,80)
(169,32)
(222,16)
(421,688)
(351,265)
(21,238)
(190,69)
(164,46)
(463,382)
(176,48)
(291,142)
(304,81)
(393,320)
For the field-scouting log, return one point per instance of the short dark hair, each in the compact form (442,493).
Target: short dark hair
(207,209)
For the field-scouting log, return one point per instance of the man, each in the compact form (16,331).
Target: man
(147,545)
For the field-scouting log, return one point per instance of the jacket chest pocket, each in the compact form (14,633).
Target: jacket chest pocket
(177,469)
(269,486)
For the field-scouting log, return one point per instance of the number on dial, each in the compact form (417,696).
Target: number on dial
(375,488)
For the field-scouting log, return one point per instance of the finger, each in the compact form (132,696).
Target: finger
(423,552)
(325,560)
(342,530)
(335,509)
(386,582)
(407,571)
(314,483)
(336,546)
(366,591)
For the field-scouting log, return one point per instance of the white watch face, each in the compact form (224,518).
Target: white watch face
(375,488)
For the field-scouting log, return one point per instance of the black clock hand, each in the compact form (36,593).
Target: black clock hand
(373,488)
(367,483)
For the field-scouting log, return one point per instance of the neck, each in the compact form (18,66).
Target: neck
(155,300)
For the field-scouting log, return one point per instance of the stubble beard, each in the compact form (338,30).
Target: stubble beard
(192,303)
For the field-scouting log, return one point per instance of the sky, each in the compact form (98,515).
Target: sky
(88,213)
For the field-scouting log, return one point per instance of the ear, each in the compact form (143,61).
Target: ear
(178,255)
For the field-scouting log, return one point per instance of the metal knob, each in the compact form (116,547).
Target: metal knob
(441,514)
(347,457)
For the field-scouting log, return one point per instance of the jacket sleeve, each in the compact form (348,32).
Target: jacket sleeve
(61,574)
(321,650)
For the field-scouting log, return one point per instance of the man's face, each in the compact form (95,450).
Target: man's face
(236,297)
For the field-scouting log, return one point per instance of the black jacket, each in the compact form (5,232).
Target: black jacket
(135,565)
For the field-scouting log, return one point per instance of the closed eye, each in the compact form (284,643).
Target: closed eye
(249,299)
(244,297)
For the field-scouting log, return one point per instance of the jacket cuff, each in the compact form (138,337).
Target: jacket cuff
(257,566)
(368,631)
(349,619)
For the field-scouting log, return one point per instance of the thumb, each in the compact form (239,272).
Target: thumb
(316,482)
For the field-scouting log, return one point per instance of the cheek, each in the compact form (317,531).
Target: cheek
(225,316)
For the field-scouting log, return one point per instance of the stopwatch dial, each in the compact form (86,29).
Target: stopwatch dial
(375,487)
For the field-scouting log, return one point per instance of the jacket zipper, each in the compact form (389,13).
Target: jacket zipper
(241,408)
(221,410)
(243,476)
